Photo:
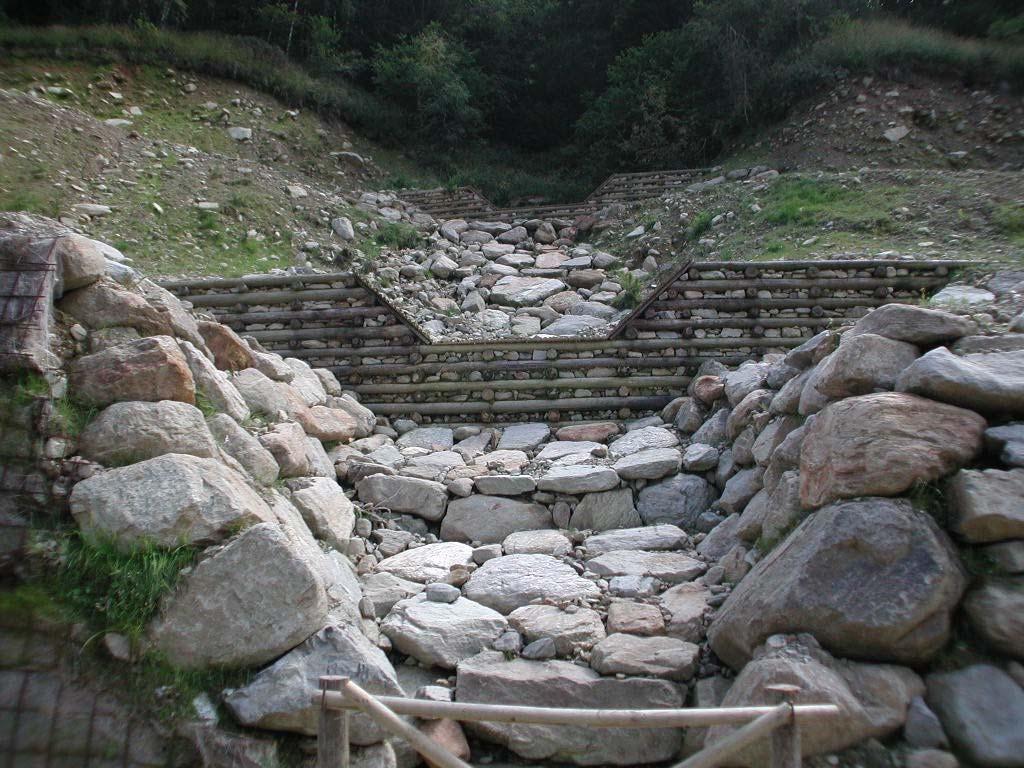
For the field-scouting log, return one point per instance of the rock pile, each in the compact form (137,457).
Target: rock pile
(765,527)
(491,279)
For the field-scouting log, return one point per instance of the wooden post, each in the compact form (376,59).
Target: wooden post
(786,738)
(332,745)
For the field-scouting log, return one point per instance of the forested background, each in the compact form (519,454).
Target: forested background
(605,84)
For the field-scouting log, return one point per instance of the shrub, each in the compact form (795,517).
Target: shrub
(701,223)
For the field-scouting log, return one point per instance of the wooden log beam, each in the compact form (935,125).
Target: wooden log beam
(632,382)
(562,404)
(277,297)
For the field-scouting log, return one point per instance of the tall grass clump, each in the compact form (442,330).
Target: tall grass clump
(115,590)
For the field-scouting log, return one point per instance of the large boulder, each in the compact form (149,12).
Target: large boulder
(986,505)
(882,444)
(230,352)
(916,325)
(651,537)
(170,500)
(288,446)
(872,698)
(280,697)
(678,500)
(863,364)
(578,478)
(996,613)
(981,709)
(513,291)
(489,679)
(325,508)
(643,439)
(243,447)
(665,657)
(261,393)
(652,464)
(182,323)
(124,433)
(572,629)
(606,510)
(214,385)
(990,383)
(425,498)
(506,583)
(871,579)
(441,634)
(243,605)
(489,519)
(105,304)
(81,261)
(428,563)
(149,369)
(670,567)
(384,590)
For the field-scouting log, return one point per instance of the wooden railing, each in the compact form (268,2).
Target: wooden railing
(339,696)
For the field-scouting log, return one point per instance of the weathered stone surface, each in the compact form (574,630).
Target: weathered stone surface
(442,634)
(105,304)
(664,657)
(635,618)
(990,383)
(578,479)
(271,365)
(286,442)
(882,444)
(996,613)
(384,590)
(652,538)
(987,505)
(512,291)
(325,508)
(149,369)
(981,708)
(124,433)
(523,437)
(744,380)
(551,543)
(916,325)
(230,353)
(431,562)
(642,439)
(687,608)
(505,485)
(429,438)
(489,519)
(721,538)
(489,679)
(893,579)
(740,489)
(214,385)
(605,511)
(651,464)
(569,630)
(1006,442)
(306,383)
(278,699)
(364,418)
(323,423)
(169,500)
(714,431)
(243,605)
(240,445)
(261,393)
(863,364)
(700,458)
(670,567)
(598,432)
(81,261)
(424,498)
(509,582)
(561,448)
(679,500)
(873,698)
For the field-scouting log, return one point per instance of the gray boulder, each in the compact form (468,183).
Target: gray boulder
(916,325)
(489,519)
(652,538)
(384,590)
(990,383)
(995,611)
(606,510)
(986,505)
(670,567)
(664,657)
(424,498)
(214,384)
(506,583)
(428,438)
(325,508)
(579,478)
(569,629)
(279,698)
(171,500)
(523,437)
(551,542)
(428,563)
(489,679)
(442,634)
(125,433)
(863,364)
(678,500)
(643,439)
(652,464)
(893,583)
(243,605)
(981,708)
(244,448)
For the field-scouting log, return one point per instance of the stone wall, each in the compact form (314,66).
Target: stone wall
(724,311)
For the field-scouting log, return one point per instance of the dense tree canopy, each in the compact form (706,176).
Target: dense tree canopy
(627,83)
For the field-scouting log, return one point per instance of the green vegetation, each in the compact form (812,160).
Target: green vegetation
(116,591)
(72,416)
(633,289)
(397,235)
(1010,220)
(701,223)
(802,201)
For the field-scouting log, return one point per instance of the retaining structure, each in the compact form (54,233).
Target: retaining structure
(724,311)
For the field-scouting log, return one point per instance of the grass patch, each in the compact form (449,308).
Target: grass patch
(701,223)
(804,202)
(397,235)
(116,591)
(632,290)
(72,416)
(1009,219)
